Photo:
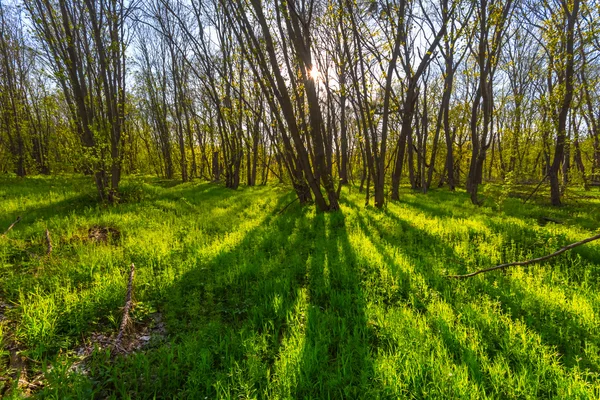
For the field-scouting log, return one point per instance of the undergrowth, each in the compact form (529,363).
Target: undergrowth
(258,304)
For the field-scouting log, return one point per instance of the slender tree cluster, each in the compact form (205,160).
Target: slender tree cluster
(315,93)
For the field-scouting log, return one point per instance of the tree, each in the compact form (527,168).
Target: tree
(493,18)
(85,44)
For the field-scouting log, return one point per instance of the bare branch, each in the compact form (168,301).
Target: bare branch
(49,242)
(128,305)
(11,226)
(285,208)
(533,261)
(536,189)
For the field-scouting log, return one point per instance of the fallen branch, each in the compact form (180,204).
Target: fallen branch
(128,305)
(533,261)
(11,226)
(289,204)
(49,242)
(536,188)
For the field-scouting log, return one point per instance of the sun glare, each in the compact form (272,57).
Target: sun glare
(314,73)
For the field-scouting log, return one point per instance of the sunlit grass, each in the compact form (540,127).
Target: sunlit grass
(258,304)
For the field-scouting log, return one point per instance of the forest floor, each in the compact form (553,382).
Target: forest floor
(234,299)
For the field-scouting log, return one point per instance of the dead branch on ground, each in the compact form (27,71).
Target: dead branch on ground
(533,261)
(49,243)
(289,204)
(536,188)
(11,226)
(128,305)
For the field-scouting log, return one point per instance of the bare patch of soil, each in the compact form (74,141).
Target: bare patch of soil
(139,337)
(103,234)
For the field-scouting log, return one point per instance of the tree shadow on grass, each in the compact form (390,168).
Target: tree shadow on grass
(194,204)
(424,204)
(166,183)
(280,314)
(227,318)
(416,283)
(74,205)
(556,325)
(512,299)
(335,360)
(451,206)
(280,311)
(85,202)
(521,242)
(210,313)
(94,308)
(415,244)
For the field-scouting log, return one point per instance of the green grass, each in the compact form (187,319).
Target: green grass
(257,304)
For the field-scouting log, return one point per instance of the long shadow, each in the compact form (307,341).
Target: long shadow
(520,239)
(335,360)
(95,312)
(569,338)
(76,205)
(409,290)
(188,202)
(228,317)
(193,194)
(416,297)
(578,215)
(555,327)
(456,210)
(294,275)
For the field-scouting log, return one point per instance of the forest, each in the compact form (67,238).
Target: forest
(300,199)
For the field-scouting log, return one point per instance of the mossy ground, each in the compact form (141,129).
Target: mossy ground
(258,304)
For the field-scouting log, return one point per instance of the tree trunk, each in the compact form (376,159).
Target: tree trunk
(559,150)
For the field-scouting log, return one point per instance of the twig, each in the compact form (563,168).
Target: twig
(521,263)
(49,241)
(11,226)
(289,204)
(536,188)
(127,309)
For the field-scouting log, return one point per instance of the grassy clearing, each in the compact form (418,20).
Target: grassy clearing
(352,304)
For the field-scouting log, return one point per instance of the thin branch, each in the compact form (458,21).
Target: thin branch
(521,263)
(128,305)
(536,188)
(289,204)
(49,243)
(11,226)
